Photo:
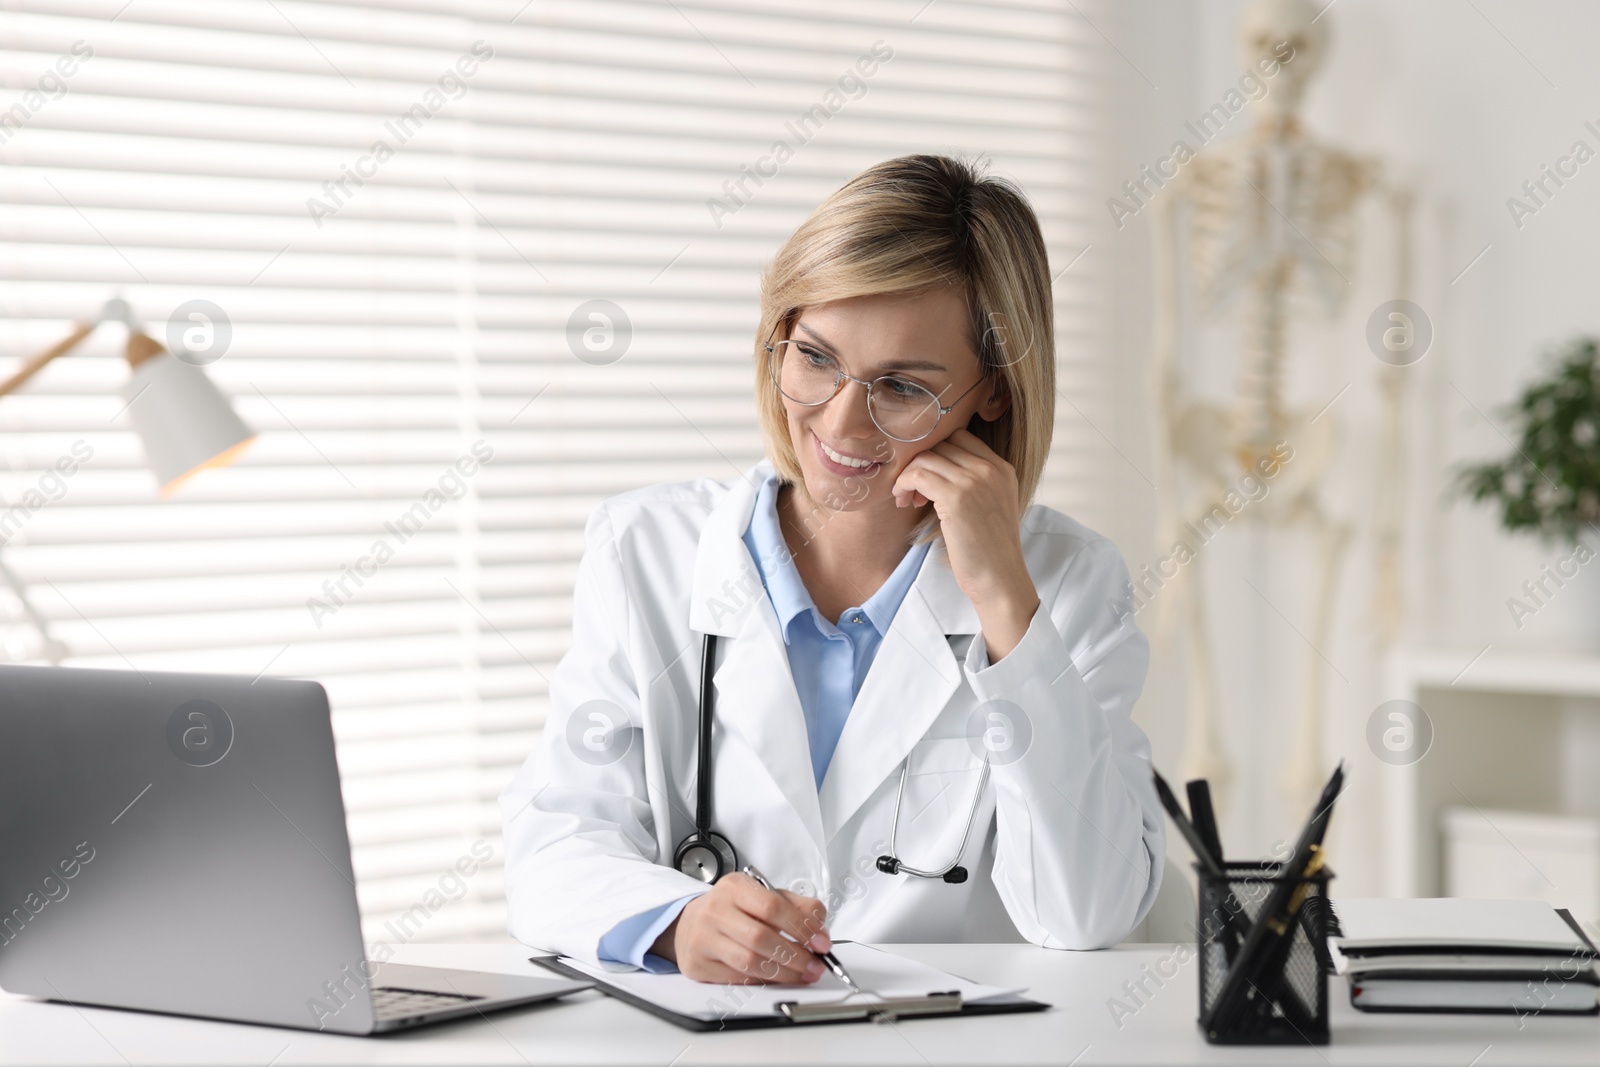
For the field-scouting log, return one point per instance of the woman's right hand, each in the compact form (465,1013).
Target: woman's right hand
(735,935)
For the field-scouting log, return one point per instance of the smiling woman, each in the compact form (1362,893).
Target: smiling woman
(913,631)
(932,277)
(950,254)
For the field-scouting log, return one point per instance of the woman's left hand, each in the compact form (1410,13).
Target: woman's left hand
(975,494)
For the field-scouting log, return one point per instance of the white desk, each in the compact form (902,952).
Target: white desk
(590,1028)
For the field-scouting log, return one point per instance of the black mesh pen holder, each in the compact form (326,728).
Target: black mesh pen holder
(1287,1004)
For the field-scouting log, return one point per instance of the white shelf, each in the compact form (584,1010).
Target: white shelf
(1496,672)
(1490,749)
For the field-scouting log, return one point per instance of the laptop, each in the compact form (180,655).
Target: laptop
(176,843)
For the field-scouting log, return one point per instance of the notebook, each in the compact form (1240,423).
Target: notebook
(1454,954)
(705,1006)
(1373,925)
(1480,997)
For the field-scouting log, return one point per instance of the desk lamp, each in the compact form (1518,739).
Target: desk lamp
(184,421)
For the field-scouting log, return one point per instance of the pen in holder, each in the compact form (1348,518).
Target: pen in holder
(1285,1002)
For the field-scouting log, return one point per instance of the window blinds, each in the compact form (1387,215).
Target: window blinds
(478,264)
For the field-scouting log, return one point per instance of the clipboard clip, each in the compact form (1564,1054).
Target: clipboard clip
(886,1010)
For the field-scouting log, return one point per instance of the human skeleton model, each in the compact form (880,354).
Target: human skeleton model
(1269,216)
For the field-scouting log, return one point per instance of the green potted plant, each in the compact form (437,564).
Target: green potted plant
(1550,483)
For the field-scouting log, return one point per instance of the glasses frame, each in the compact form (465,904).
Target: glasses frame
(838,383)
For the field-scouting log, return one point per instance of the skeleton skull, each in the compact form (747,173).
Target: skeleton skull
(1267,25)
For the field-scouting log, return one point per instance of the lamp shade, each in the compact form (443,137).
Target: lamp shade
(184,420)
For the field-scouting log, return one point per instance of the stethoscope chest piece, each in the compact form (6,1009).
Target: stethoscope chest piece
(706,855)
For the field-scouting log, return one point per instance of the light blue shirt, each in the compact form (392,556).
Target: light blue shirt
(828,661)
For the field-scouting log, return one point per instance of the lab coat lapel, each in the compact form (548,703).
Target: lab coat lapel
(756,696)
(727,586)
(911,680)
(755,690)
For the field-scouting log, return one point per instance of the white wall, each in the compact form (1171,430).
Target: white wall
(1464,103)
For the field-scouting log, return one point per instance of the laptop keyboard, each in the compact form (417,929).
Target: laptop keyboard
(391,1002)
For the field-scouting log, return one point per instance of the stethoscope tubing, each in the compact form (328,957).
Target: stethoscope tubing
(708,669)
(705,837)
(972,813)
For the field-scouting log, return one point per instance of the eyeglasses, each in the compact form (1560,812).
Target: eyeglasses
(903,409)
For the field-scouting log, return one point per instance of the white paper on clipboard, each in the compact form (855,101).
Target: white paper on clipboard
(880,973)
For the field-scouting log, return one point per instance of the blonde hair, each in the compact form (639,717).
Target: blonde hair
(906,226)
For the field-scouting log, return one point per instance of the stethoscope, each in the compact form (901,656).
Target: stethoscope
(707,855)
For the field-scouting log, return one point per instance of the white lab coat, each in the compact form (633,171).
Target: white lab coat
(1068,844)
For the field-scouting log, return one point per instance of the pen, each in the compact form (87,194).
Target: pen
(1185,827)
(1204,816)
(828,958)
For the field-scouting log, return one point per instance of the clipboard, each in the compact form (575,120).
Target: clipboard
(789,1013)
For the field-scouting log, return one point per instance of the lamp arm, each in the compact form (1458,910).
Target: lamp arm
(140,348)
(36,363)
(52,650)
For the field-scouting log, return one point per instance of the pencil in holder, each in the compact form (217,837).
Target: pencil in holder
(1288,1002)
